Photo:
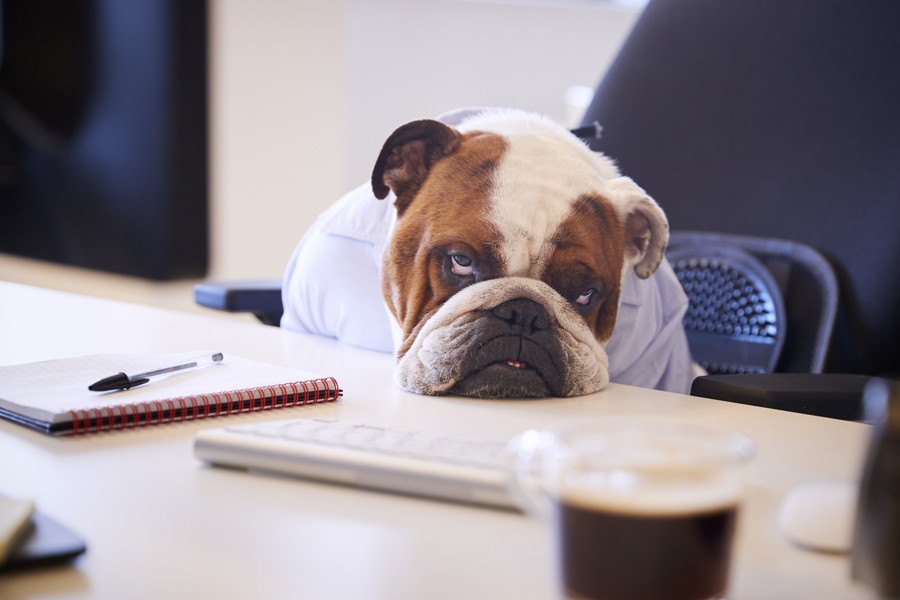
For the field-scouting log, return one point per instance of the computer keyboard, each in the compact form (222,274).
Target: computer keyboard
(393,460)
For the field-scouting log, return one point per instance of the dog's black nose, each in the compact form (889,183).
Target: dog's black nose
(523,314)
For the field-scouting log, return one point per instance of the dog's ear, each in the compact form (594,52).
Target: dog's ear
(408,155)
(645,225)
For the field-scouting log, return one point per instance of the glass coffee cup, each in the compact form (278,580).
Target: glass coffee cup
(636,509)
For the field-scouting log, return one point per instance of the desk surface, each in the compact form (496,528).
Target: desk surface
(159,524)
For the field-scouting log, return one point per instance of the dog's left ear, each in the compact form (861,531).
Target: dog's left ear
(408,155)
(645,225)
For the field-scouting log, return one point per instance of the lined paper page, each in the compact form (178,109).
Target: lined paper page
(51,388)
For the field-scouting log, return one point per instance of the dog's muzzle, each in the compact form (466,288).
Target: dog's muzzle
(514,354)
(505,338)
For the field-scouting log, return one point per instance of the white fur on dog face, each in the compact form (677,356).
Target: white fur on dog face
(433,363)
(534,185)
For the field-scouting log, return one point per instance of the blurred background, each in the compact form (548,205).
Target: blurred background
(148,145)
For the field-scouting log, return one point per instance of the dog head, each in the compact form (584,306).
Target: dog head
(511,243)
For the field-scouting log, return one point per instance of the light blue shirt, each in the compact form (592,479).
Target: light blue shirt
(332,288)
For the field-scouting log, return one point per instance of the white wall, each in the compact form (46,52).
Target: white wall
(304,92)
(278,116)
(407,59)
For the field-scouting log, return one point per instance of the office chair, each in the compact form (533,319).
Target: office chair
(756,305)
(261,297)
(775,119)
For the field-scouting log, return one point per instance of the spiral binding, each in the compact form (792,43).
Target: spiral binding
(202,406)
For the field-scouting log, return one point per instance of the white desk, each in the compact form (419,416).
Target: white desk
(159,524)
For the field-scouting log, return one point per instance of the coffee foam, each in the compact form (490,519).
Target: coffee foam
(682,492)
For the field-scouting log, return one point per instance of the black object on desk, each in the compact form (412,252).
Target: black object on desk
(834,395)
(876,542)
(262,297)
(48,543)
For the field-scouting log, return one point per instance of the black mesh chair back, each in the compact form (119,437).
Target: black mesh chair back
(774,119)
(757,305)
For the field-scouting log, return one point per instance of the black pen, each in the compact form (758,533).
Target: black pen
(121,381)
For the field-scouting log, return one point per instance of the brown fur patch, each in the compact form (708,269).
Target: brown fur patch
(449,209)
(589,254)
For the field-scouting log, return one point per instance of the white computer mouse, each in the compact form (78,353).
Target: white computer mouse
(820,515)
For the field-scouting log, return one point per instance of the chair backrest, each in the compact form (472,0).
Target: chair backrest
(774,119)
(757,305)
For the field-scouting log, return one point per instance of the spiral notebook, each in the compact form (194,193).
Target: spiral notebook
(52,396)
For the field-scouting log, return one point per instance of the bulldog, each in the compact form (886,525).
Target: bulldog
(501,257)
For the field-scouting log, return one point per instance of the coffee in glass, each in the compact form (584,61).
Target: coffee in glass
(637,510)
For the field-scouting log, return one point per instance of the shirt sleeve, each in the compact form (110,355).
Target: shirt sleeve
(331,284)
(649,347)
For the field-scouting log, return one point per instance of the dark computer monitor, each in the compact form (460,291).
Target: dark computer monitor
(103,134)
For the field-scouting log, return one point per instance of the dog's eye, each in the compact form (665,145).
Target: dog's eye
(461,265)
(585,298)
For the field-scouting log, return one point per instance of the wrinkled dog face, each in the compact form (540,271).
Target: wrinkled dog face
(504,269)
